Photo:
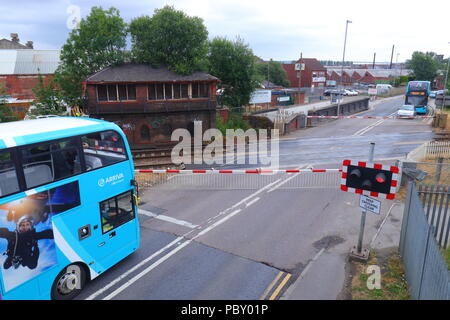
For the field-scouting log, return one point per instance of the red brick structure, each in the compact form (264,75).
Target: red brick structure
(150,103)
(20,86)
(314,74)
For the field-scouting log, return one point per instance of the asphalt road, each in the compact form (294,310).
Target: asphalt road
(237,238)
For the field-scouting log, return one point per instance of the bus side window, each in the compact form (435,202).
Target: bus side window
(102,149)
(116,211)
(8,177)
(47,162)
(37,165)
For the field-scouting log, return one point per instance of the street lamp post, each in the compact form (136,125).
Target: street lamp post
(342,67)
(445,84)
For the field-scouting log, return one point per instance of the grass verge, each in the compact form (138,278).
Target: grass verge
(393,282)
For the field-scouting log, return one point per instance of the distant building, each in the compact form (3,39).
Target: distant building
(313,75)
(149,103)
(14,43)
(367,76)
(19,70)
(19,74)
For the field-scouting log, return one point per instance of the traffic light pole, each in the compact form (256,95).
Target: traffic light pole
(363,215)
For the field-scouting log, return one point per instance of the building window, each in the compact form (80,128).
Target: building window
(176,91)
(102,93)
(112,92)
(159,91)
(184,91)
(145,133)
(200,90)
(116,92)
(168,91)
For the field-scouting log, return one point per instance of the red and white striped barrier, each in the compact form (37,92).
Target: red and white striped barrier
(370,117)
(394,181)
(254,171)
(108,148)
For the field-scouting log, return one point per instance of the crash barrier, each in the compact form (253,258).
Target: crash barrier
(346,108)
(426,270)
(234,180)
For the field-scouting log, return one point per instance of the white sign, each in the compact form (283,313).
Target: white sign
(372,91)
(261,96)
(370,204)
(299,66)
(283,98)
(318,79)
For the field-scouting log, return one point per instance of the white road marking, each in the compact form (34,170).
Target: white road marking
(168,219)
(373,125)
(171,253)
(140,264)
(289,179)
(248,204)
(145,271)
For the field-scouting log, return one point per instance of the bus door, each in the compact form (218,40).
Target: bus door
(112,232)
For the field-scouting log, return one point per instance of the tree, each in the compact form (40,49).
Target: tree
(48,99)
(423,65)
(170,38)
(233,63)
(272,71)
(6,114)
(99,42)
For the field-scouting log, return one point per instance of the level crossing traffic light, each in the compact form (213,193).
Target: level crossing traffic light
(370,179)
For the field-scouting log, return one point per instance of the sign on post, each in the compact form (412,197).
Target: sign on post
(370,204)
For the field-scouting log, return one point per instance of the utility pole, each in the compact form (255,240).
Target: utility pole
(392,55)
(445,84)
(374,55)
(300,77)
(342,69)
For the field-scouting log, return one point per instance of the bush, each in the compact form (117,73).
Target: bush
(235,121)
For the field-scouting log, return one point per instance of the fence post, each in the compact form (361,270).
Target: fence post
(439,169)
(429,234)
(411,187)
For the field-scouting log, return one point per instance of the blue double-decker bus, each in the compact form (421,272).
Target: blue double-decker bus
(417,93)
(67,205)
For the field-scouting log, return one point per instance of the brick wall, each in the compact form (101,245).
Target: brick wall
(21,86)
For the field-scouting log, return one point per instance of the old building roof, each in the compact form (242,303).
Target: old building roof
(130,72)
(28,61)
(313,64)
(14,43)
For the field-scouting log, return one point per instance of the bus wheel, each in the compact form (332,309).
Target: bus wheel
(69,283)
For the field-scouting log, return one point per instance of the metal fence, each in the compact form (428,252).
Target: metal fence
(426,270)
(217,181)
(430,150)
(435,202)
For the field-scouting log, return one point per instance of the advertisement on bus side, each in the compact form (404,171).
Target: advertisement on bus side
(27,245)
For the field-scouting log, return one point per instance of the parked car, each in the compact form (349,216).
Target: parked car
(406,111)
(350,92)
(433,94)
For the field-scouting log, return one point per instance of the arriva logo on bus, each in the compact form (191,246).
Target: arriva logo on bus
(117,178)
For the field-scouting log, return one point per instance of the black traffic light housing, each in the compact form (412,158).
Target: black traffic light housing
(374,180)
(370,179)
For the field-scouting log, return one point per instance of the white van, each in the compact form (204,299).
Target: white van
(383,88)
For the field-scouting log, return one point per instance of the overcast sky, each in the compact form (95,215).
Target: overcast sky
(277,29)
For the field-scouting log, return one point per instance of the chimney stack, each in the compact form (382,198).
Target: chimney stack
(29,44)
(14,37)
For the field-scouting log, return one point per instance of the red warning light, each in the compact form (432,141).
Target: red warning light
(381,178)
